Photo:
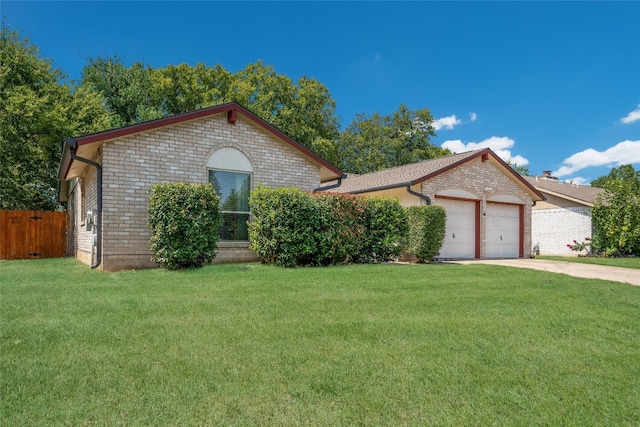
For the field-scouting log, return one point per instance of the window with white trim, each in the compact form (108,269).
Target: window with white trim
(230,173)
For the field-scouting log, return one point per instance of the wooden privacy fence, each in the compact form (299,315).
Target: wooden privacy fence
(32,234)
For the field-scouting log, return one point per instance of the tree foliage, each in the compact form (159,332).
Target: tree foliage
(37,110)
(304,110)
(380,142)
(126,91)
(624,173)
(616,213)
(521,169)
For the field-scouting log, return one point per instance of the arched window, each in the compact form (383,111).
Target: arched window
(230,173)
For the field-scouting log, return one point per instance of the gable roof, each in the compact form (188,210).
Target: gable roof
(582,194)
(87,144)
(418,172)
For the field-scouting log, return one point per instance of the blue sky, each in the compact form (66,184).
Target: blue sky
(553,85)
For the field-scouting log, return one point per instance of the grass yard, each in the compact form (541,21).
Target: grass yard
(247,344)
(611,262)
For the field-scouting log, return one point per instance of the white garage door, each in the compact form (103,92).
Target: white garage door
(502,231)
(460,235)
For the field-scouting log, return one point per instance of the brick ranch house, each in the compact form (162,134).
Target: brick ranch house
(488,204)
(106,177)
(563,217)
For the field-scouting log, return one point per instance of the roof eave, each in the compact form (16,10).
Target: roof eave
(564,196)
(383,187)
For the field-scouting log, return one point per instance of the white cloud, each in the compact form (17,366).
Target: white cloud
(450,121)
(633,116)
(447,122)
(498,144)
(623,153)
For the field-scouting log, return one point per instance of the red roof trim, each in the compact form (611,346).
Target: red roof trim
(231,109)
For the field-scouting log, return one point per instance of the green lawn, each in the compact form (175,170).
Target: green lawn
(239,345)
(612,262)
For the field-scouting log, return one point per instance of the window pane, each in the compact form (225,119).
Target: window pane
(233,188)
(234,227)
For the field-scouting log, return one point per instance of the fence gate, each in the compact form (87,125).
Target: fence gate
(32,234)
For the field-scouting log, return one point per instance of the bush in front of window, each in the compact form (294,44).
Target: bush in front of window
(426,231)
(184,220)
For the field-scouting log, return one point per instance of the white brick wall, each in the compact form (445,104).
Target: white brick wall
(553,229)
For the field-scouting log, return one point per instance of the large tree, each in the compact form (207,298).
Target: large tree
(37,110)
(183,88)
(616,213)
(303,110)
(126,91)
(624,173)
(378,142)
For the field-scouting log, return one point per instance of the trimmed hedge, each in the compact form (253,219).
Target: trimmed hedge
(426,231)
(292,228)
(184,221)
(386,230)
(284,227)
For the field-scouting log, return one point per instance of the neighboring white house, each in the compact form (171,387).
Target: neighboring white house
(563,217)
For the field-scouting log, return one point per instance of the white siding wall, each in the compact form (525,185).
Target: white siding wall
(553,229)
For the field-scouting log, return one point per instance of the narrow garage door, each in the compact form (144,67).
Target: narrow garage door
(502,231)
(460,235)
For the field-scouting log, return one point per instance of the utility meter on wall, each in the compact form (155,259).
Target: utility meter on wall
(88,220)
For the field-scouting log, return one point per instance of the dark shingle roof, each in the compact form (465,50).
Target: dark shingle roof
(582,193)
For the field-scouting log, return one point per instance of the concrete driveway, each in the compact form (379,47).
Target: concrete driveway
(589,271)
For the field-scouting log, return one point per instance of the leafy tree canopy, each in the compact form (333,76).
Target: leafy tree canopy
(126,91)
(624,173)
(616,213)
(521,169)
(37,110)
(303,110)
(378,142)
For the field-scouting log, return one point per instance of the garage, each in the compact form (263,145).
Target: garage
(502,230)
(488,204)
(461,229)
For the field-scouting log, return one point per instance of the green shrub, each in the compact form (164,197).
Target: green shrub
(616,220)
(341,228)
(292,228)
(184,220)
(284,227)
(386,229)
(426,231)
